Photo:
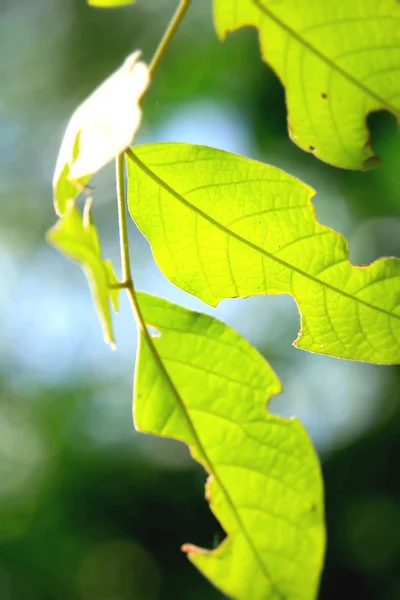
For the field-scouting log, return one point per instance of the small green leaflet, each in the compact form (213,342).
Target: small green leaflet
(77,238)
(63,188)
(110,3)
(200,382)
(338,61)
(223,226)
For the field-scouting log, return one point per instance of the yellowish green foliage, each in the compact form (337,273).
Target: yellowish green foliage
(223,226)
(338,60)
(77,238)
(110,3)
(198,381)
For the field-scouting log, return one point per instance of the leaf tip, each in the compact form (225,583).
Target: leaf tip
(372,162)
(111,343)
(192,550)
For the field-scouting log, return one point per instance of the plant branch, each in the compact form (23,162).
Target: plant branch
(127,282)
(122,224)
(169,34)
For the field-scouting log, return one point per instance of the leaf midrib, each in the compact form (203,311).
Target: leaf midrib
(289,30)
(136,160)
(212,470)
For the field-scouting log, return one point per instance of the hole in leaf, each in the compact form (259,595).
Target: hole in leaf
(153,331)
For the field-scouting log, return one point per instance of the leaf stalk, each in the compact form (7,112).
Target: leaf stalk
(168,35)
(122,221)
(127,282)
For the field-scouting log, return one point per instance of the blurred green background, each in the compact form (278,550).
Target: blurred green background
(89,509)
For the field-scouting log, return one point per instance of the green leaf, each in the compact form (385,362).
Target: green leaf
(198,381)
(223,226)
(78,239)
(338,61)
(64,189)
(110,3)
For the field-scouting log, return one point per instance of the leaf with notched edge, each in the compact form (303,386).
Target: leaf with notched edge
(338,61)
(223,226)
(200,382)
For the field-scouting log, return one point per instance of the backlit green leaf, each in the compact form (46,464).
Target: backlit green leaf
(102,127)
(338,61)
(110,3)
(78,239)
(198,381)
(223,226)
